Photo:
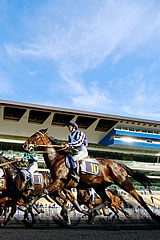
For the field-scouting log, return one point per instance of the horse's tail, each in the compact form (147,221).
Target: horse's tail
(139,177)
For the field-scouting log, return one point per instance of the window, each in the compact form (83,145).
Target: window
(104,125)
(13,113)
(38,116)
(85,122)
(61,119)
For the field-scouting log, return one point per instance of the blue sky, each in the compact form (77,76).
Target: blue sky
(95,55)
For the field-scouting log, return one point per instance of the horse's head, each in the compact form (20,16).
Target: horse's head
(8,166)
(37,139)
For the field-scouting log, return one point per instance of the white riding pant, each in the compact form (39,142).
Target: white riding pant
(83,153)
(33,168)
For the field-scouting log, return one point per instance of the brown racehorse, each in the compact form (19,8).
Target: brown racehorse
(83,197)
(16,193)
(110,173)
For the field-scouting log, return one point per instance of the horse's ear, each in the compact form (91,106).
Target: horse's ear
(43,130)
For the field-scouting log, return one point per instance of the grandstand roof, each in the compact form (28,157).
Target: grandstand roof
(19,120)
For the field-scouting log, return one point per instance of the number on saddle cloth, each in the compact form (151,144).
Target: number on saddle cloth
(90,166)
(38,178)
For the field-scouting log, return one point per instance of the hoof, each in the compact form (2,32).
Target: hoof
(34,221)
(27,224)
(90,222)
(6,221)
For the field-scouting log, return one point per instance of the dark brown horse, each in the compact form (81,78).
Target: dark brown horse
(16,193)
(110,172)
(84,197)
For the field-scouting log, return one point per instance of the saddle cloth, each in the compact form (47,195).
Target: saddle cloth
(87,166)
(3,182)
(38,177)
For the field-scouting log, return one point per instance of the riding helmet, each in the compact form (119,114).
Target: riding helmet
(72,124)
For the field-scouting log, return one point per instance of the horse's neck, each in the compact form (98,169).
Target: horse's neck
(50,156)
(9,171)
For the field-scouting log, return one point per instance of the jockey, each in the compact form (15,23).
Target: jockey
(32,159)
(78,141)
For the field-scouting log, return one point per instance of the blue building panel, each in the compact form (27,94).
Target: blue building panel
(107,139)
(116,138)
(137,134)
(136,145)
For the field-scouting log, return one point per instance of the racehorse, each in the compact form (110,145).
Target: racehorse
(16,193)
(83,197)
(110,172)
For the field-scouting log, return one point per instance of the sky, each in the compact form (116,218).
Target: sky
(99,56)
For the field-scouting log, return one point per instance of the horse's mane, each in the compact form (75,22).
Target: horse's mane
(58,148)
(54,141)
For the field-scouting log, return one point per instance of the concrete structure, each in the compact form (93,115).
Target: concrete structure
(107,134)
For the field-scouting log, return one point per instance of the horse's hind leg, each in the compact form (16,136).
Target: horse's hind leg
(128,187)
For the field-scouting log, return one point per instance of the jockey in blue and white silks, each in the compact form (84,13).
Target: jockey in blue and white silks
(78,141)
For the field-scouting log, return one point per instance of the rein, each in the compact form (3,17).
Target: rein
(61,146)
(50,146)
(45,145)
(6,163)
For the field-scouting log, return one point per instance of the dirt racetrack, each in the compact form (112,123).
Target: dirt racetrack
(78,234)
(83,231)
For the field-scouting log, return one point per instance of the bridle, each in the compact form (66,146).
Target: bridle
(32,145)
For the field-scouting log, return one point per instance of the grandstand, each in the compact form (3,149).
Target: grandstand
(133,141)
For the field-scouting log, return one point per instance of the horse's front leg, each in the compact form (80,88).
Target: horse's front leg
(115,213)
(54,190)
(32,215)
(13,211)
(61,199)
(66,214)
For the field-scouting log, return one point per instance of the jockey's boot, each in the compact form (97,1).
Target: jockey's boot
(74,174)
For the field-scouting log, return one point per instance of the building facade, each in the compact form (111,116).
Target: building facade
(133,141)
